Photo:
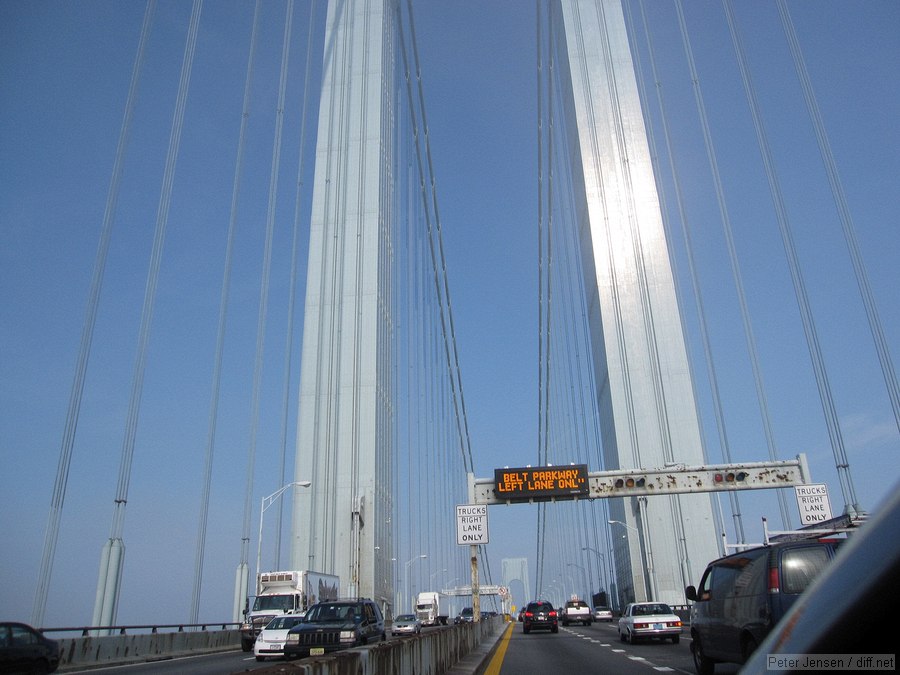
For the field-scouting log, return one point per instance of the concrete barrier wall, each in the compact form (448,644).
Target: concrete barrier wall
(117,649)
(434,652)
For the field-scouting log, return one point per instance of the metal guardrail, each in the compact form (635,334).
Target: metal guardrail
(85,631)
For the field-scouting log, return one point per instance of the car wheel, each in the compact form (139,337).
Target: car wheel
(526,629)
(702,663)
(555,629)
(260,658)
(676,639)
(621,636)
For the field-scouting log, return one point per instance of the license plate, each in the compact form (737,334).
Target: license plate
(317,651)
(659,626)
(277,647)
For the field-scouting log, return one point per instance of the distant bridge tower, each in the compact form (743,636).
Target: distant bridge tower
(341,524)
(516,569)
(648,415)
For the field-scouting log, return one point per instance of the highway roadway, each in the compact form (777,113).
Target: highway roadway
(575,649)
(594,649)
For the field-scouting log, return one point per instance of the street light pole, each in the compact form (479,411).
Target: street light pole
(650,580)
(584,573)
(406,573)
(433,575)
(266,503)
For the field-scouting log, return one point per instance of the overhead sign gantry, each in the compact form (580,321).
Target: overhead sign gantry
(568,482)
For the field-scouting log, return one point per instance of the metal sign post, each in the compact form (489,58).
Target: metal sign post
(472,529)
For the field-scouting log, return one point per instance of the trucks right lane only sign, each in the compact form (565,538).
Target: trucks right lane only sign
(813,503)
(471,524)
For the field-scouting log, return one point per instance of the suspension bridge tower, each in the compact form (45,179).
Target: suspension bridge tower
(646,402)
(647,411)
(341,524)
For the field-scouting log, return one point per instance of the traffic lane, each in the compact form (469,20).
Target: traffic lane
(678,657)
(597,647)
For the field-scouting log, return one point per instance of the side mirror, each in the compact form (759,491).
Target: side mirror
(691,593)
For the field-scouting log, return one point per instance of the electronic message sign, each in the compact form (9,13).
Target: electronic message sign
(542,482)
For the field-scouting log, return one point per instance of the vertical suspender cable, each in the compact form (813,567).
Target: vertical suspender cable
(106,602)
(842,464)
(220,331)
(737,276)
(840,200)
(51,535)
(162,217)
(264,285)
(692,267)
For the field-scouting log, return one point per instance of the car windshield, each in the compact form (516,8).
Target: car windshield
(279,602)
(283,622)
(406,617)
(646,610)
(330,612)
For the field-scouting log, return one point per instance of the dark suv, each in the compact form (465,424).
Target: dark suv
(333,625)
(540,615)
(743,595)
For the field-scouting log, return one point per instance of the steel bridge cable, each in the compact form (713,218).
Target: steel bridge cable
(843,209)
(220,331)
(438,261)
(439,265)
(539,53)
(51,534)
(112,554)
(737,276)
(153,277)
(832,422)
(264,284)
(712,376)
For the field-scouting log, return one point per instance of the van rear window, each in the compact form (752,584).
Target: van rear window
(799,566)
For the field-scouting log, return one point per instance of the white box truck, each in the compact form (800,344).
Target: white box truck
(290,592)
(431,608)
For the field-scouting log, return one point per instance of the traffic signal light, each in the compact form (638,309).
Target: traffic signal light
(731,477)
(630,482)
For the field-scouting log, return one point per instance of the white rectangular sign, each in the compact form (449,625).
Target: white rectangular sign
(471,524)
(813,503)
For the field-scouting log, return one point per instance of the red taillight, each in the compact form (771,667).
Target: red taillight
(529,614)
(774,585)
(638,626)
(553,613)
(674,624)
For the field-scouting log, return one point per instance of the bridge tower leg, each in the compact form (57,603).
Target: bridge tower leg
(341,524)
(648,414)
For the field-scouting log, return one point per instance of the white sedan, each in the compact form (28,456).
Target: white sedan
(649,620)
(270,641)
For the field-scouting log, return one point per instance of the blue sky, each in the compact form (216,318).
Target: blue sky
(64,73)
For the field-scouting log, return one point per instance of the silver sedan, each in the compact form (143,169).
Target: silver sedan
(642,620)
(406,624)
